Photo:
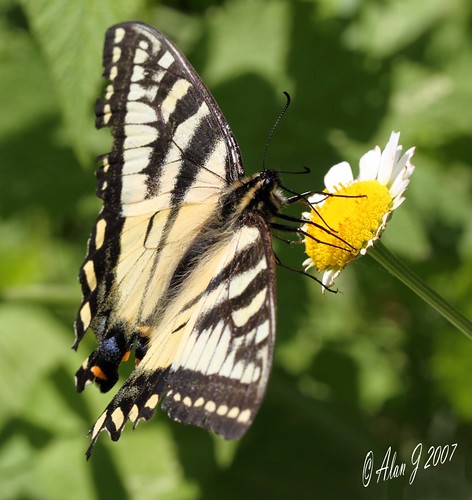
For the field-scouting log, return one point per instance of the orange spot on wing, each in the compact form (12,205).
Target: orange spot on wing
(98,372)
(126,356)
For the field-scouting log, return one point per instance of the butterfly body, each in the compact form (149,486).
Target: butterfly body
(180,263)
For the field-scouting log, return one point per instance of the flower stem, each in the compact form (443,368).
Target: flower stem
(395,266)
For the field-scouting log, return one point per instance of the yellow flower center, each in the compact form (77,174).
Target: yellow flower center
(355,220)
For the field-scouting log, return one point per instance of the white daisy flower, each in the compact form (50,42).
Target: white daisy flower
(340,228)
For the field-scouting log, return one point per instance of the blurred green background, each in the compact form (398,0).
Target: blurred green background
(370,368)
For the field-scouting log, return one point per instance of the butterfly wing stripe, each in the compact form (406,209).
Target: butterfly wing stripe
(177,92)
(139,112)
(240,316)
(135,160)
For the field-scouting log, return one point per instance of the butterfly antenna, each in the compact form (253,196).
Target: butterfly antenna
(269,138)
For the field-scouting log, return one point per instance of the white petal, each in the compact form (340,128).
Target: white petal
(398,186)
(307,264)
(409,170)
(328,278)
(388,159)
(397,202)
(317,198)
(404,160)
(369,164)
(341,173)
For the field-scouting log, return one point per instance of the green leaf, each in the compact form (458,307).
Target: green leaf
(22,70)
(31,342)
(231,54)
(70,34)
(386,27)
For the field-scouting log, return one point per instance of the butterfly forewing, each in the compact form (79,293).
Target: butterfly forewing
(171,147)
(180,262)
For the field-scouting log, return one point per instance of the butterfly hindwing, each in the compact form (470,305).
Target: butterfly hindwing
(209,365)
(180,263)
(219,374)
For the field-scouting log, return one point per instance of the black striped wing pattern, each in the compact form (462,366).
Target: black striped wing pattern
(180,265)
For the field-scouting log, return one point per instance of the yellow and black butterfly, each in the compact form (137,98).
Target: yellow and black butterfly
(180,263)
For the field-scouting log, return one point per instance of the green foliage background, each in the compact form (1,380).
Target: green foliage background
(367,369)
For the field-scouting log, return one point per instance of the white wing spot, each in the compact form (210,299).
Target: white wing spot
(85,315)
(177,397)
(187,401)
(166,60)
(116,54)
(105,164)
(98,424)
(233,413)
(106,113)
(199,402)
(118,418)
(100,233)
(222,410)
(244,416)
(140,56)
(89,270)
(152,402)
(109,92)
(133,414)
(210,406)
(119,35)
(113,72)
(138,73)
(143,44)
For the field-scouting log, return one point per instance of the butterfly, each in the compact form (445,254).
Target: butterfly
(180,265)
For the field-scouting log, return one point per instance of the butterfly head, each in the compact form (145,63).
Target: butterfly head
(269,197)
(258,192)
